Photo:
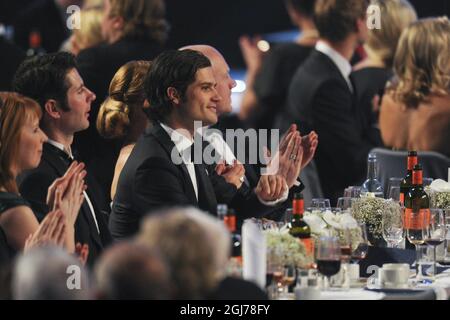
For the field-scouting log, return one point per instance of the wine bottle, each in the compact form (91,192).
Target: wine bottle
(299,228)
(406,183)
(236,244)
(35,44)
(417,206)
(372,186)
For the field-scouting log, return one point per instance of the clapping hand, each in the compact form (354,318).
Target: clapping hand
(294,154)
(66,193)
(82,251)
(233,174)
(51,231)
(271,187)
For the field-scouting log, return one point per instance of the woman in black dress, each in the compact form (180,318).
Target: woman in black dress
(21,142)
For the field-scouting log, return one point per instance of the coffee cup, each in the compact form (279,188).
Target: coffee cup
(394,275)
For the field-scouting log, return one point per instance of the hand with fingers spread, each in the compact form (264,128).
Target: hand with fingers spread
(82,252)
(271,187)
(233,174)
(52,230)
(309,145)
(288,159)
(294,154)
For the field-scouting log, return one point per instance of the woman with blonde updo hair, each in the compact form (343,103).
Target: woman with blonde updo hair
(121,115)
(415,113)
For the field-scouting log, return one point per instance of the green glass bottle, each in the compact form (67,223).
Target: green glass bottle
(299,228)
(406,183)
(417,208)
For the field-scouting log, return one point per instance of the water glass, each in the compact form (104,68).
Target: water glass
(321,204)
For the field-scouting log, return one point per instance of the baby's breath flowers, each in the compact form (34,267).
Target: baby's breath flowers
(287,248)
(372,211)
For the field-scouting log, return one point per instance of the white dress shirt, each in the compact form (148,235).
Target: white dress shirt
(182,143)
(226,154)
(341,63)
(60,146)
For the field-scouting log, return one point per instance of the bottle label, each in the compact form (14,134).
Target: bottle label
(230,223)
(412,161)
(298,207)
(417,177)
(309,245)
(416,220)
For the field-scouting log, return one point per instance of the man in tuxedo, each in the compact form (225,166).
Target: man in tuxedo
(225,84)
(133,30)
(54,82)
(160,171)
(322,96)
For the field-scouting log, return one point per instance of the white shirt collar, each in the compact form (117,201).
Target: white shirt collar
(60,146)
(343,64)
(180,140)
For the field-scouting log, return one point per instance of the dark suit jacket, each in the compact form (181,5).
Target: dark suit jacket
(320,99)
(97,67)
(150,181)
(33,186)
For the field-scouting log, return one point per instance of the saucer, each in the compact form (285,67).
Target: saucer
(376,285)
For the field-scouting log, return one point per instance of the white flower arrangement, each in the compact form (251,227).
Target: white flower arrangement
(328,223)
(291,251)
(439,192)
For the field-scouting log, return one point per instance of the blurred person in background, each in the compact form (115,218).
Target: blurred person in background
(415,112)
(197,256)
(128,271)
(371,75)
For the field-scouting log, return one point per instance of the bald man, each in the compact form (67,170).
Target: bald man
(225,84)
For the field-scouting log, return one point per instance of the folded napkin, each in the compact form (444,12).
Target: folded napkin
(254,254)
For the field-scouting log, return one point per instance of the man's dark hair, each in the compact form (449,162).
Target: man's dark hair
(336,19)
(172,68)
(305,7)
(44,77)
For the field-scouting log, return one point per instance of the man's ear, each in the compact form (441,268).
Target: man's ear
(52,109)
(173,95)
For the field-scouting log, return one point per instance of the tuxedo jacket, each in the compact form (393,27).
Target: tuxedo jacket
(33,186)
(320,99)
(151,181)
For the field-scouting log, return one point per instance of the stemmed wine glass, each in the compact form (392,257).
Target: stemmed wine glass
(392,225)
(360,250)
(415,224)
(436,232)
(328,257)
